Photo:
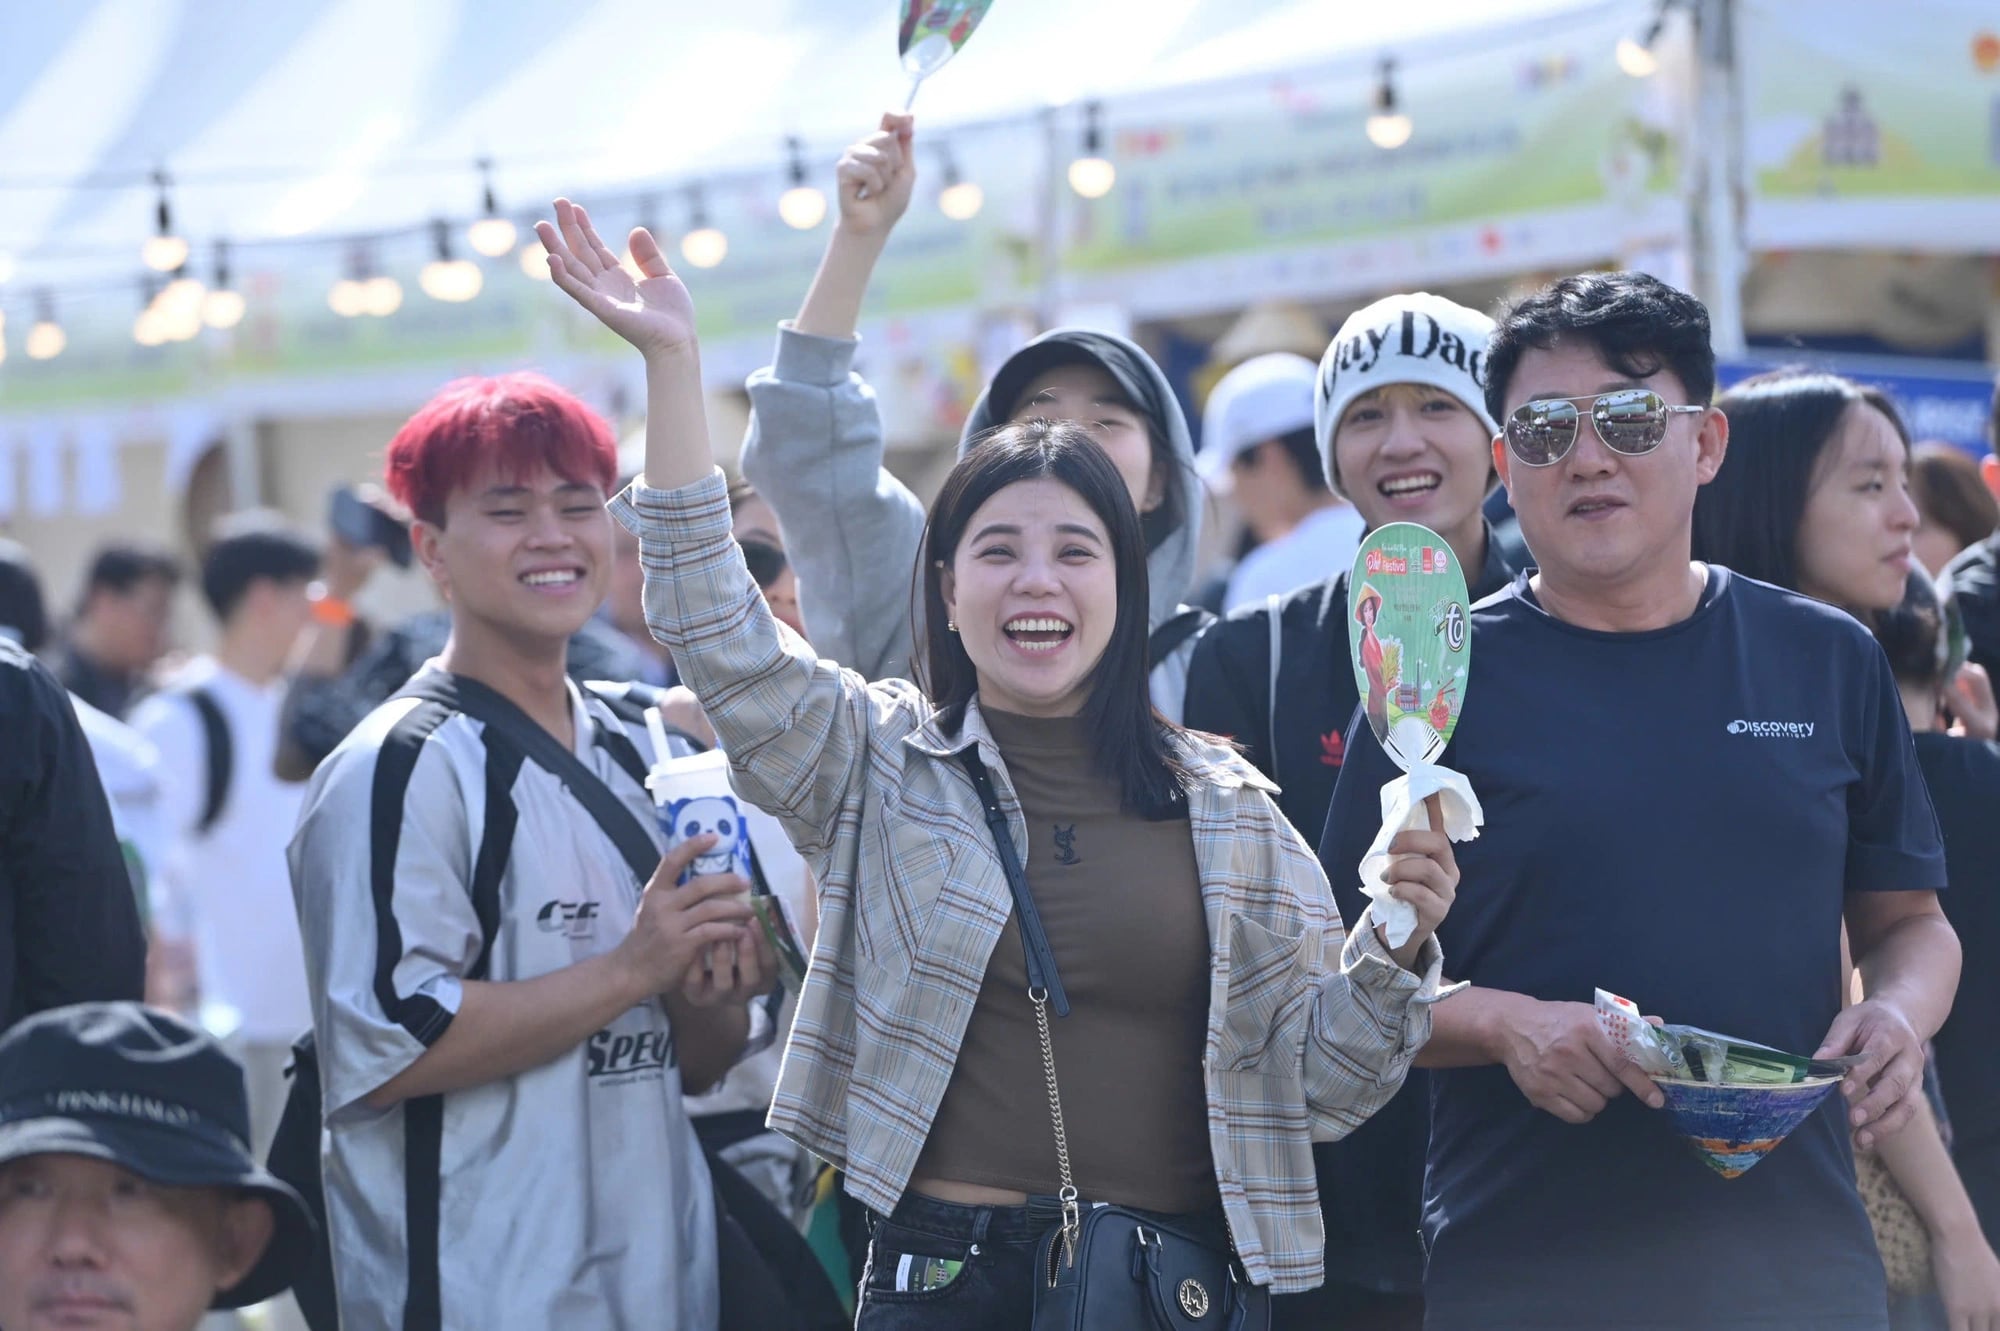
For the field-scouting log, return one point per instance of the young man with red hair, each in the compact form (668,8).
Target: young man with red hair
(505,1015)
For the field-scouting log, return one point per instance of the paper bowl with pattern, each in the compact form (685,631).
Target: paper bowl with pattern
(1732,1127)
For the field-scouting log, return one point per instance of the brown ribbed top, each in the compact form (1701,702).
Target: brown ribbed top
(1120,898)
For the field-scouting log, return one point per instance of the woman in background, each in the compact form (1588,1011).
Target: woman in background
(1955,510)
(1814,496)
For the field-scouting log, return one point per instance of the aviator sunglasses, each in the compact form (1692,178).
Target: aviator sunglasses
(1630,421)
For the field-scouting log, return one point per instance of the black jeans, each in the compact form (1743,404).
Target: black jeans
(995,1288)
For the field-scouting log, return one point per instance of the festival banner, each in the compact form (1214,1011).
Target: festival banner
(1865,124)
(1527,148)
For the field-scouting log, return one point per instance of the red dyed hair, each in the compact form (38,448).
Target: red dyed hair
(522,421)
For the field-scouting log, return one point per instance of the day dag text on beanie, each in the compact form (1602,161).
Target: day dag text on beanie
(1416,338)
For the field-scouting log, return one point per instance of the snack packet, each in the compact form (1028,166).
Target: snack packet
(1657,1054)
(1690,1052)
(1730,1061)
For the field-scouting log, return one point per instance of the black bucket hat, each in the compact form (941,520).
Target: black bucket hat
(141,1089)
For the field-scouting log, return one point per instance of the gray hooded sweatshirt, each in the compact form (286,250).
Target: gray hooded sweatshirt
(854,533)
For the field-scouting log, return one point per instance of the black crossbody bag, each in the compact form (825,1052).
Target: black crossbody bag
(1110,1269)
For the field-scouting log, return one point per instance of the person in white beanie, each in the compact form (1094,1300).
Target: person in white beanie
(1692,781)
(1403,433)
(1258,447)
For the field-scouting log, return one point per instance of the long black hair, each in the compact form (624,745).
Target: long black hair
(1135,746)
(1923,636)
(1780,424)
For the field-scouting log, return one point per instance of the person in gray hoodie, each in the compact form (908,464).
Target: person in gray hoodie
(852,530)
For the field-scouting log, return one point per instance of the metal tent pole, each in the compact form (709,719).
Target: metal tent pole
(1720,258)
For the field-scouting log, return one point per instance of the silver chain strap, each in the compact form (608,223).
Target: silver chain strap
(1072,1222)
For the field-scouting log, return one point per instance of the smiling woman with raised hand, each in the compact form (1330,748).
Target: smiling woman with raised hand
(1212,1014)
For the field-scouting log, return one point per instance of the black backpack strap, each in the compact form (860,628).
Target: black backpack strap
(545,751)
(1041,959)
(294,1158)
(1174,631)
(486,706)
(221,758)
(614,741)
(628,702)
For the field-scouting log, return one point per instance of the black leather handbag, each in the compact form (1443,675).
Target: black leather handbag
(1105,1268)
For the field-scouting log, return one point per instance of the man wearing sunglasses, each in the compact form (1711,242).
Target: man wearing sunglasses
(1690,781)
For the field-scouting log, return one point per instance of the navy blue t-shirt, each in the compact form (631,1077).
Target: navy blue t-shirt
(1675,816)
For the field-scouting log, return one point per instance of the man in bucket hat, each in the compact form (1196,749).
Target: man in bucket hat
(128,1196)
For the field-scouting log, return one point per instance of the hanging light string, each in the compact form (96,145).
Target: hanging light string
(169,309)
(1092,175)
(166,250)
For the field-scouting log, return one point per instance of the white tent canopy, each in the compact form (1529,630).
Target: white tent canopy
(315,117)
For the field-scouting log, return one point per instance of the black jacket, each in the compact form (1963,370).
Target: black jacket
(1370,1183)
(69,927)
(1974,578)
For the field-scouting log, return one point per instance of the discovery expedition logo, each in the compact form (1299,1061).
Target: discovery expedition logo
(1772,729)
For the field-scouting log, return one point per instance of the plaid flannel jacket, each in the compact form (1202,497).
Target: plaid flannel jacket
(1309,1031)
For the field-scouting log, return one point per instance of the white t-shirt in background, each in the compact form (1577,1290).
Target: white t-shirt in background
(229,887)
(129,767)
(1316,549)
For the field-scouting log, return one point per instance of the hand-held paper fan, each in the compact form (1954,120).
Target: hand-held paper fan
(1410,628)
(930,33)
(1411,637)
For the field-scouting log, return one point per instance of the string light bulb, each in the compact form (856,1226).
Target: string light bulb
(960,200)
(492,235)
(345,299)
(46,339)
(446,278)
(223,307)
(348,296)
(802,206)
(1635,55)
(1636,58)
(381,296)
(164,251)
(535,261)
(704,245)
(1092,175)
(149,329)
(180,305)
(1388,128)
(363,290)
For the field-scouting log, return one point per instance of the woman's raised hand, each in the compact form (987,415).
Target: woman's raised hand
(654,314)
(876,177)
